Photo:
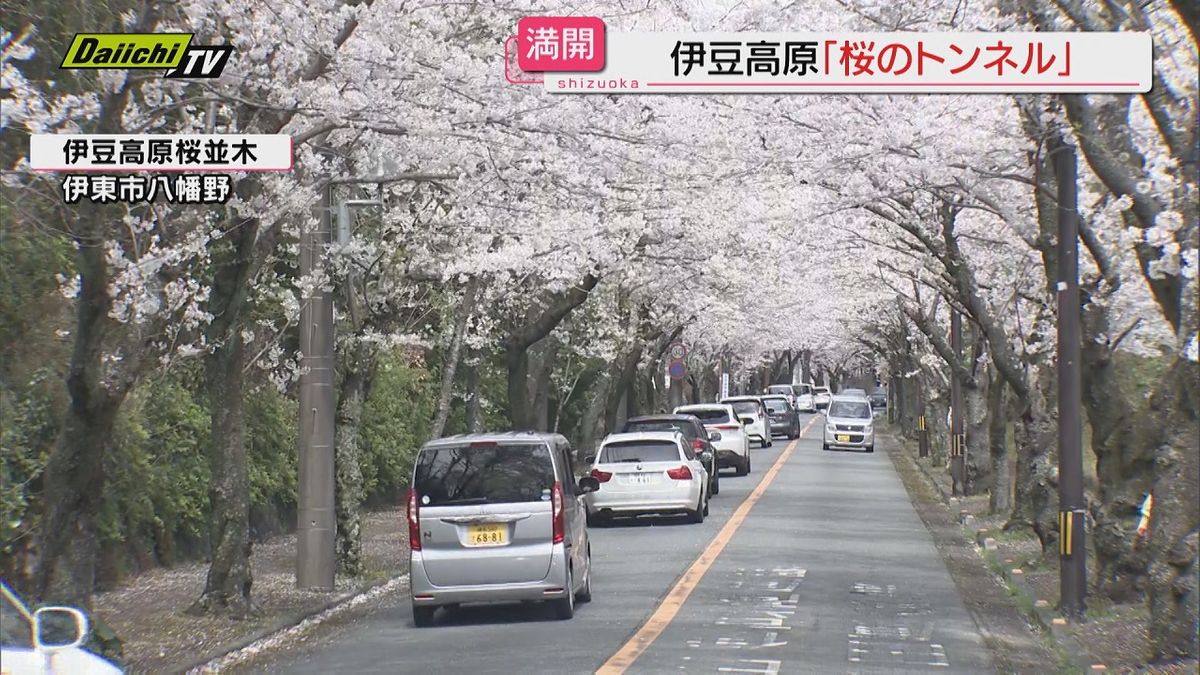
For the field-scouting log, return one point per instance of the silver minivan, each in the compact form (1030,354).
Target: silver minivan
(498,518)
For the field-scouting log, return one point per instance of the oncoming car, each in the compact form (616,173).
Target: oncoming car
(848,424)
(648,472)
(496,518)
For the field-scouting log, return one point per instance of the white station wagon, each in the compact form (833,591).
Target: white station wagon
(648,472)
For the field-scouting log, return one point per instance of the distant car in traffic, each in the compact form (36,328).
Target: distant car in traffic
(804,397)
(853,391)
(879,398)
(751,409)
(785,420)
(693,431)
(496,517)
(46,641)
(726,433)
(821,397)
(848,424)
(648,472)
(782,390)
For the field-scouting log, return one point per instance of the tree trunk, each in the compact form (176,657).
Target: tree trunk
(978,459)
(539,382)
(74,479)
(1124,464)
(590,427)
(520,411)
(516,347)
(1036,437)
(350,493)
(474,403)
(936,409)
(66,569)
(1175,520)
(227,587)
(620,381)
(1000,499)
(445,395)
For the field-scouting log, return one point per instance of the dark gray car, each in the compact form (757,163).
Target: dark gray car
(785,419)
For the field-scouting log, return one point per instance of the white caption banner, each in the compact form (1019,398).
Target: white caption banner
(160,152)
(794,63)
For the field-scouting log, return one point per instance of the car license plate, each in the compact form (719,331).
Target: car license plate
(843,438)
(638,479)
(492,534)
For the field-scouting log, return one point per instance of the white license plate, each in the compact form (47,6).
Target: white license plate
(639,479)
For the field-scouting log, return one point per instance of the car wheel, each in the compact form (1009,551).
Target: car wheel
(824,446)
(871,448)
(585,593)
(716,482)
(423,615)
(743,468)
(747,463)
(706,498)
(564,608)
(697,515)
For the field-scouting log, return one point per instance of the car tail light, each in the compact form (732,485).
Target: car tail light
(728,427)
(601,476)
(414,520)
(697,444)
(682,473)
(556,506)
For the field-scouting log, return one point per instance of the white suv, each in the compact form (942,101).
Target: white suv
(725,432)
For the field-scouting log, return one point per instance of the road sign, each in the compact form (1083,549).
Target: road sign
(677,370)
(724,385)
(677,351)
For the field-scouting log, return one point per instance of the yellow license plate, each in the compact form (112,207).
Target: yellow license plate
(842,438)
(494,534)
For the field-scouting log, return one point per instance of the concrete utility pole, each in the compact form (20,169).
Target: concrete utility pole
(316,520)
(1072,520)
(958,445)
(316,526)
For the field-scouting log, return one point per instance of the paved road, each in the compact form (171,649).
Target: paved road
(830,570)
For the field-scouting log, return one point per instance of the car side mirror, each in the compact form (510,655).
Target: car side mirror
(590,459)
(706,456)
(59,628)
(714,436)
(588,484)
(746,421)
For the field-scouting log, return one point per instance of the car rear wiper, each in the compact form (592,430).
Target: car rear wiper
(632,459)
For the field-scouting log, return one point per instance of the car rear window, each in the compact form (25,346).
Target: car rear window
(484,474)
(745,407)
(779,389)
(860,409)
(656,425)
(709,416)
(776,404)
(640,451)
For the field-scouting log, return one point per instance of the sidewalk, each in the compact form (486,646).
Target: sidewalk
(1112,637)
(146,612)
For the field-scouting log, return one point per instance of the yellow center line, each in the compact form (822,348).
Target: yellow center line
(670,606)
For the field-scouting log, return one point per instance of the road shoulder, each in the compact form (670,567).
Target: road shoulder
(1017,645)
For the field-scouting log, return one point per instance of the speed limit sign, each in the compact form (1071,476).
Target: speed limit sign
(678,351)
